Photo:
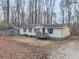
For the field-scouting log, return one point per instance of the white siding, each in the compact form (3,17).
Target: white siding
(29,33)
(33,32)
(56,33)
(46,30)
(59,33)
(41,30)
(21,31)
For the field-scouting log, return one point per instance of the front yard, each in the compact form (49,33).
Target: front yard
(11,48)
(25,48)
(34,41)
(31,48)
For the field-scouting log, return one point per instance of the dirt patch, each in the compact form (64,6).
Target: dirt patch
(10,49)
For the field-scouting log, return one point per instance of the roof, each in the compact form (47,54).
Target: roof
(44,26)
(55,25)
(28,26)
(12,28)
(52,26)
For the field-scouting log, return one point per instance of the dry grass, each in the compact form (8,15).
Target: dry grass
(28,48)
(33,41)
(36,42)
(10,49)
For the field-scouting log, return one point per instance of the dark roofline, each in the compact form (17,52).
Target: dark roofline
(52,25)
(28,26)
(44,26)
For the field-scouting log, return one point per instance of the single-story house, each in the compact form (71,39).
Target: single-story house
(53,31)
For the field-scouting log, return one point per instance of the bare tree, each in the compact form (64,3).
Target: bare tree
(8,12)
(18,8)
(62,10)
(4,9)
(40,10)
(13,16)
(22,12)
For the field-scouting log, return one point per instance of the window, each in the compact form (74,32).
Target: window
(50,30)
(24,29)
(43,30)
(30,29)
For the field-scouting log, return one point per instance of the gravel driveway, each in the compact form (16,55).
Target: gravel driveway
(69,50)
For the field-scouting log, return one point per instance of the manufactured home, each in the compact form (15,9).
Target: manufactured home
(27,30)
(52,31)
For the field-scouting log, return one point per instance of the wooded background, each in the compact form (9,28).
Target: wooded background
(39,12)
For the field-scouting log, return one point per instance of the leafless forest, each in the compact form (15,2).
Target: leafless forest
(18,13)
(23,12)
